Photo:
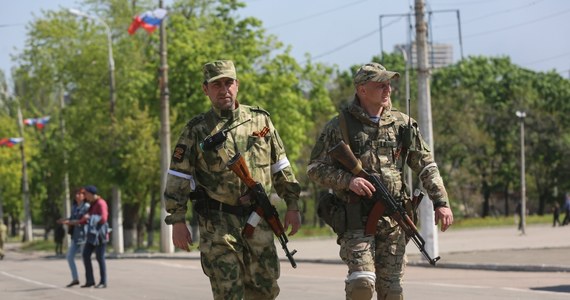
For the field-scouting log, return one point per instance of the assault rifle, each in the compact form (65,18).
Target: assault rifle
(383,200)
(263,207)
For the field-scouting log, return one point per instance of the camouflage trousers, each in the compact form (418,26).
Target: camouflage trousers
(238,267)
(384,254)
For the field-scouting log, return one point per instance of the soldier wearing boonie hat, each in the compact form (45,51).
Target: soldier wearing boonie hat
(375,133)
(238,267)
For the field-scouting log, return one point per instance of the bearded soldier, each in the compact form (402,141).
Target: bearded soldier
(239,267)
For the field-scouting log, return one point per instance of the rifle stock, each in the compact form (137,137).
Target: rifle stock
(384,201)
(264,208)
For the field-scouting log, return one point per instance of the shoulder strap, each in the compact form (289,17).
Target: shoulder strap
(196,120)
(349,128)
(259,110)
(343,127)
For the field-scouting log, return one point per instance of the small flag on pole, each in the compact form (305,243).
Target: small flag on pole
(39,122)
(9,142)
(149,20)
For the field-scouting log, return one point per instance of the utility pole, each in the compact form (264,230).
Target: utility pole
(28,233)
(404,51)
(427,218)
(166,244)
(408,15)
(66,204)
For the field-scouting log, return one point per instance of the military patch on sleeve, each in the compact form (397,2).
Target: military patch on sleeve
(179,151)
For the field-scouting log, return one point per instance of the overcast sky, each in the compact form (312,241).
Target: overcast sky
(347,32)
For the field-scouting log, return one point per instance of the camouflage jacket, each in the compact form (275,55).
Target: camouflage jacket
(377,145)
(262,150)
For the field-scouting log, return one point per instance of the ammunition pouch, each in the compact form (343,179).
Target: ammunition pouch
(356,214)
(199,200)
(333,212)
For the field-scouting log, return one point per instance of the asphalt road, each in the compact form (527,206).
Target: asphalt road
(28,276)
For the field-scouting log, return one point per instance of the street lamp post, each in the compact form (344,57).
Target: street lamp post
(521,115)
(111,60)
(117,222)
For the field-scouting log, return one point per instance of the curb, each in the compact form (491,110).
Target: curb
(494,267)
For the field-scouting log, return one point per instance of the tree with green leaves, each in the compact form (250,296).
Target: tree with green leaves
(477,131)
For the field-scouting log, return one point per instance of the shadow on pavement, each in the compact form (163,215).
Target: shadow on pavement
(556,288)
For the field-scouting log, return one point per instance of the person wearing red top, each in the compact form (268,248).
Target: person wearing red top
(97,237)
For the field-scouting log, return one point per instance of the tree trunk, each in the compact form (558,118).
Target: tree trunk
(486,189)
(506,195)
(154,200)
(132,216)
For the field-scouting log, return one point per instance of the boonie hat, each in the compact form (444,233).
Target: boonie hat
(373,72)
(91,189)
(219,69)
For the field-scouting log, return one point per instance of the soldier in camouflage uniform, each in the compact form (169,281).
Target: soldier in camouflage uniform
(374,132)
(238,267)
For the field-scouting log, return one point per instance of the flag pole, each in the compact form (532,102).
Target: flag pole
(166,245)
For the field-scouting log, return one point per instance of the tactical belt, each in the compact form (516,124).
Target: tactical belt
(239,211)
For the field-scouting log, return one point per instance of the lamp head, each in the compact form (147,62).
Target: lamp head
(77,12)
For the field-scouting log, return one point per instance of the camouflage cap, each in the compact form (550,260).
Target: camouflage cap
(373,72)
(219,69)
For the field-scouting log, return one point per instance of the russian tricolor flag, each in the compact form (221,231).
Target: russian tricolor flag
(39,122)
(149,20)
(9,142)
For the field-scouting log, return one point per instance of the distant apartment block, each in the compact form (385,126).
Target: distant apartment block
(439,55)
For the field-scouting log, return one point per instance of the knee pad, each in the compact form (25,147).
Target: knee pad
(360,285)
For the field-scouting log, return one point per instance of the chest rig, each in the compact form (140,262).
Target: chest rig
(392,140)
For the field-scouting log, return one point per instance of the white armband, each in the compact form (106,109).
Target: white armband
(184,176)
(280,165)
(433,164)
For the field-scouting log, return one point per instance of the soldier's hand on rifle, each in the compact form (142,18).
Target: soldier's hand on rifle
(361,187)
(445,215)
(181,236)
(293,218)
(245,199)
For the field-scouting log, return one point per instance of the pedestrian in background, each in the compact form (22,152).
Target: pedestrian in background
(555,214)
(77,231)
(566,209)
(58,236)
(238,267)
(3,237)
(97,236)
(374,131)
